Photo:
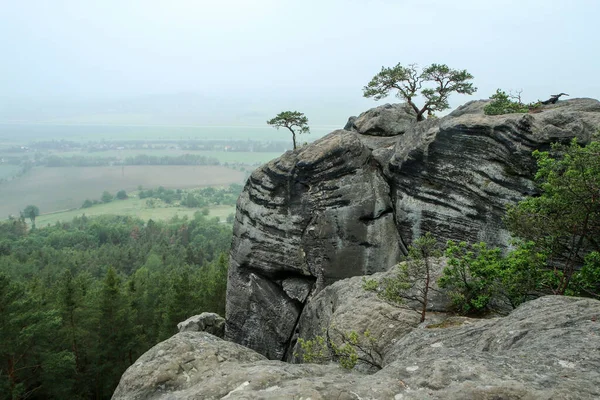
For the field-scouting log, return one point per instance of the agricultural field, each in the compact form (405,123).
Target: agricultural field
(66,188)
(239,157)
(7,171)
(87,132)
(135,207)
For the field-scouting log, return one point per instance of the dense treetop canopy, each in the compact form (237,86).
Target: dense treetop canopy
(80,301)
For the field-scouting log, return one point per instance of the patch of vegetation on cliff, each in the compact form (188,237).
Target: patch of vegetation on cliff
(563,223)
(413,280)
(555,248)
(504,103)
(349,349)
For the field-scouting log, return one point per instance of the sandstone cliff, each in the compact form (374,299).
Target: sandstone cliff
(310,222)
(350,203)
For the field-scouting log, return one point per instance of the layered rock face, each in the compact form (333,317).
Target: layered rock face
(546,349)
(305,220)
(350,203)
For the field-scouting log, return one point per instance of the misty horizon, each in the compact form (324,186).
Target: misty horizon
(238,63)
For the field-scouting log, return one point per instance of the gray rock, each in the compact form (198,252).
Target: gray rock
(546,349)
(350,203)
(385,120)
(317,215)
(350,124)
(345,306)
(180,363)
(297,289)
(206,322)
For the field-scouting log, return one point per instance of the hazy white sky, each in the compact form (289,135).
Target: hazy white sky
(291,54)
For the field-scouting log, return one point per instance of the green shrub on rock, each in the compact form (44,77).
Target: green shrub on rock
(413,280)
(471,276)
(564,220)
(370,285)
(354,349)
(503,104)
(314,350)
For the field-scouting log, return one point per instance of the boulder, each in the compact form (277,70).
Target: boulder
(385,120)
(352,202)
(545,349)
(206,322)
(345,306)
(350,124)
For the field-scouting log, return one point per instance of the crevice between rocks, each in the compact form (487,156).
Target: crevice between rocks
(392,198)
(367,219)
(318,284)
(277,279)
(290,343)
(276,275)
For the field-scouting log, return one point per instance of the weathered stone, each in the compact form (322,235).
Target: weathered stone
(267,313)
(350,124)
(206,322)
(385,120)
(546,349)
(456,182)
(350,203)
(180,363)
(346,306)
(317,215)
(296,288)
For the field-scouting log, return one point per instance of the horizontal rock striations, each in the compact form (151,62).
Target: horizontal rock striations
(350,203)
(304,220)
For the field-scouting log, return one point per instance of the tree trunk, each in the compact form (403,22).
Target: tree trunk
(426,291)
(11,375)
(421,112)
(413,105)
(74,342)
(293,136)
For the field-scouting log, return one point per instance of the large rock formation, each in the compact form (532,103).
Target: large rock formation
(350,203)
(546,349)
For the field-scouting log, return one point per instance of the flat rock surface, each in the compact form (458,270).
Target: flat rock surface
(548,348)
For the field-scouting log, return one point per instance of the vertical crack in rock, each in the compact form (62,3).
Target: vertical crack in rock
(392,193)
(291,342)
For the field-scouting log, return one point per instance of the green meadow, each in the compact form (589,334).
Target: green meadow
(134,207)
(66,188)
(239,157)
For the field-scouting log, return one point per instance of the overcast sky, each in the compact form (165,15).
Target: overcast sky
(289,54)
